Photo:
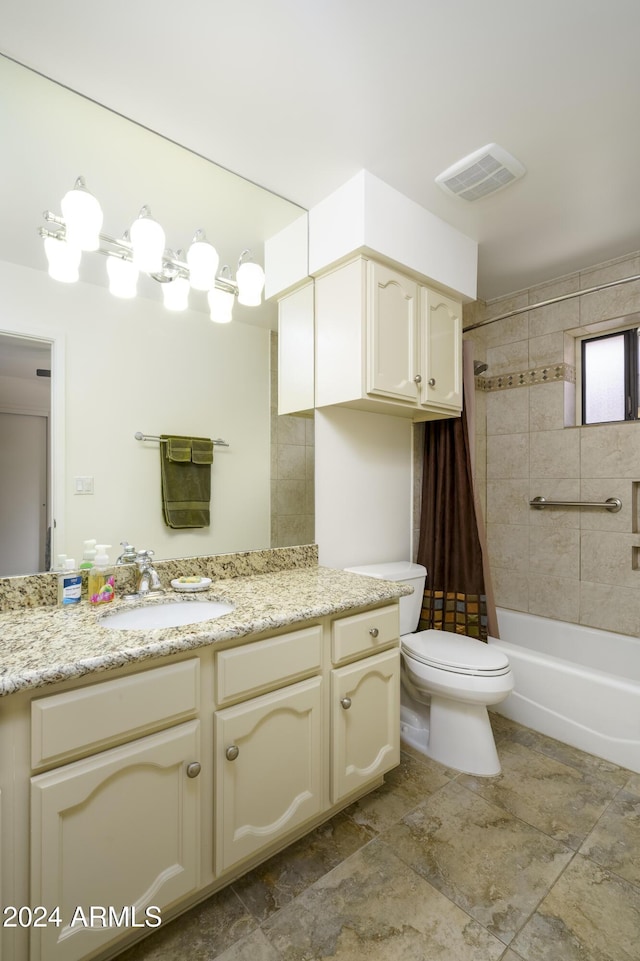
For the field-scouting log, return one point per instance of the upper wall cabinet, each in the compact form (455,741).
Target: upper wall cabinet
(386,343)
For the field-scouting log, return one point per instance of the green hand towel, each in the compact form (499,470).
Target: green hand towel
(185,471)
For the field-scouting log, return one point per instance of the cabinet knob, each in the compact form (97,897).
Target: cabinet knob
(232,752)
(417,379)
(193,769)
(432,382)
(346,703)
(374,632)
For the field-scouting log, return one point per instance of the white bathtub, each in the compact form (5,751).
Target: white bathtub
(576,684)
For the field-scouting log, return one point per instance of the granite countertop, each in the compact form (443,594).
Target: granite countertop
(40,646)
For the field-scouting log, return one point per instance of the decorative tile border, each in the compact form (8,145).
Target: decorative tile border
(539,375)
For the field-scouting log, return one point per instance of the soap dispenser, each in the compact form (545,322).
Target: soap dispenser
(88,555)
(101,577)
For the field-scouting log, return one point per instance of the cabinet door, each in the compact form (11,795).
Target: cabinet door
(392,345)
(441,350)
(268,769)
(365,718)
(117,830)
(296,379)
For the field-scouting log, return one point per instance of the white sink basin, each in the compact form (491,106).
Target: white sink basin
(165,614)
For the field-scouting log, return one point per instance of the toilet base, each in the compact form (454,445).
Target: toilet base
(454,734)
(461,737)
(414,727)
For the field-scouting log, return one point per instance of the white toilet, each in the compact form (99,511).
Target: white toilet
(448,680)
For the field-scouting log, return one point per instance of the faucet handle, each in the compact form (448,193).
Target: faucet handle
(129,553)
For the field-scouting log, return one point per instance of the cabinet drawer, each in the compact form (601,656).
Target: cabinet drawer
(75,722)
(364,633)
(258,667)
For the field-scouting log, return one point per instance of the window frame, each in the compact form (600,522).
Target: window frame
(630,337)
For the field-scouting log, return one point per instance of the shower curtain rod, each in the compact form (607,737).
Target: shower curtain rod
(553,300)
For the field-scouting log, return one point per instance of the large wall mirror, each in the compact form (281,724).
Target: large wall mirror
(116,366)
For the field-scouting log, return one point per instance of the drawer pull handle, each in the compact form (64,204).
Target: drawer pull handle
(193,769)
(232,752)
(346,703)
(374,632)
(432,382)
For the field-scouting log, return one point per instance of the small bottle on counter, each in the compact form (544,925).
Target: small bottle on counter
(69,584)
(102,577)
(88,556)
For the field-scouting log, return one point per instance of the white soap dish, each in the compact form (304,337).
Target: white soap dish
(191,584)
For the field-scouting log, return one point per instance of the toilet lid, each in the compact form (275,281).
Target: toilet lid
(455,652)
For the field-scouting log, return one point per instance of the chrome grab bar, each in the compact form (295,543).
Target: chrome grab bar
(613,504)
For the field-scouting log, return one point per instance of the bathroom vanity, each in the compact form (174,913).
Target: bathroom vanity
(140,771)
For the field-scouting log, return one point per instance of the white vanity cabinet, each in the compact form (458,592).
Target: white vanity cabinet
(365,700)
(385,342)
(117,829)
(130,796)
(268,749)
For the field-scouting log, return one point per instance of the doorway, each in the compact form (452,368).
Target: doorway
(25,487)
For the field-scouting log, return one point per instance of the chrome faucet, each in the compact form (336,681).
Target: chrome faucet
(129,554)
(148,578)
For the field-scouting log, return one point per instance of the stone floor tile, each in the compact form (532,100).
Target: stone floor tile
(505,729)
(374,906)
(589,915)
(404,788)
(283,877)
(199,935)
(614,842)
(253,947)
(488,862)
(547,794)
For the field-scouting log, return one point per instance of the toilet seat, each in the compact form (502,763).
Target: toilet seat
(455,653)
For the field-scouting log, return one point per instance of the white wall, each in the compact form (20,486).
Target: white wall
(363,487)
(132,365)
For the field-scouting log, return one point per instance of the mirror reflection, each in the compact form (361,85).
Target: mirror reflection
(117,366)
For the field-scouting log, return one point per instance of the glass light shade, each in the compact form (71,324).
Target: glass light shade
(147,242)
(175,294)
(83,217)
(63,260)
(250,281)
(202,260)
(220,305)
(123,277)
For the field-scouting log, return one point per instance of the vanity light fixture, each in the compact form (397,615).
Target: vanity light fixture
(221,301)
(142,249)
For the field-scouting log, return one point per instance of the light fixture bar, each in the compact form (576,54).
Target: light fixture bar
(124,248)
(142,249)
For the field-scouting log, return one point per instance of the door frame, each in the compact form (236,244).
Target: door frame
(56,439)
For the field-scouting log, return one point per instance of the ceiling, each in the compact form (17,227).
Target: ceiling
(299,95)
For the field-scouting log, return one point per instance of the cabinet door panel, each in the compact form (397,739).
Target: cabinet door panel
(118,830)
(268,769)
(441,351)
(365,699)
(392,334)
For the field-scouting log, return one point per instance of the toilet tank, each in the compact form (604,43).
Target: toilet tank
(406,573)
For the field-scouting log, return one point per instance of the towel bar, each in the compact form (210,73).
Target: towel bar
(140,436)
(613,504)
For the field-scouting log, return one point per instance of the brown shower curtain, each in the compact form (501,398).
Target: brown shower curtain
(457,596)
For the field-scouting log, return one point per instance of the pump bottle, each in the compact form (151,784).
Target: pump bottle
(69,584)
(101,577)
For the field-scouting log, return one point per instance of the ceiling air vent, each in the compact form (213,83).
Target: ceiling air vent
(481,173)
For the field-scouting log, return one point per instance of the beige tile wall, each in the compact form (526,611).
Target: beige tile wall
(292,471)
(573,564)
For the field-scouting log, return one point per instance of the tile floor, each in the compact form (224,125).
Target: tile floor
(539,864)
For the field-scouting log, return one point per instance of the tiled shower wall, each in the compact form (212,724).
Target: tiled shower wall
(292,471)
(574,564)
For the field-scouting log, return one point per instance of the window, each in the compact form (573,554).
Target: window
(610,377)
